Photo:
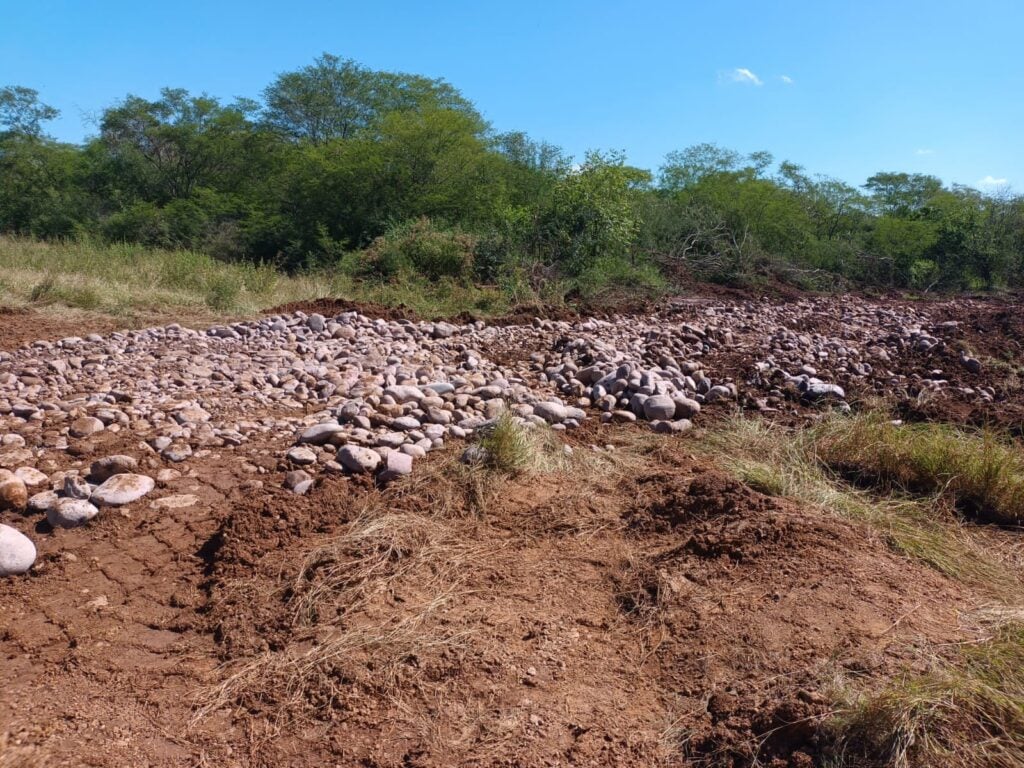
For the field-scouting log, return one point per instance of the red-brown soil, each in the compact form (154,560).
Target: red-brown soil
(634,612)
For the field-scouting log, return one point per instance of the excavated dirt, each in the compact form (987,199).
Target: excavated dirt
(639,608)
(592,617)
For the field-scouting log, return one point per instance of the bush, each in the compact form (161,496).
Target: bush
(418,247)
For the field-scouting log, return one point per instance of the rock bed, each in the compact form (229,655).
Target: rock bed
(352,394)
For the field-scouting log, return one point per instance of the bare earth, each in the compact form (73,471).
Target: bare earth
(632,607)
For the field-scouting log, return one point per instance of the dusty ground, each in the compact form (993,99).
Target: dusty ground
(634,608)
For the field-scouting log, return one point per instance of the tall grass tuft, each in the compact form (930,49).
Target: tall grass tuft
(967,712)
(979,472)
(782,462)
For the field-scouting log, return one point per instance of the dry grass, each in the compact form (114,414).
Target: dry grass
(781,462)
(968,712)
(122,280)
(513,447)
(979,472)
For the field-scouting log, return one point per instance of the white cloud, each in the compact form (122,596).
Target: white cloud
(786,79)
(992,181)
(743,75)
(923,152)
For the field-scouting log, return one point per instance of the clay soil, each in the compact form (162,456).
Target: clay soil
(598,615)
(638,608)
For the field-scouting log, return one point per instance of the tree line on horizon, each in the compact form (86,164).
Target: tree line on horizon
(398,176)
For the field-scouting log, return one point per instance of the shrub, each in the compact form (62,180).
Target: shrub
(418,247)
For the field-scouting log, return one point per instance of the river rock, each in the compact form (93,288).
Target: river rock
(122,489)
(17,552)
(71,513)
(357,459)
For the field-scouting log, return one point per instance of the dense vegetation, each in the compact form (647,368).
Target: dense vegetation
(394,178)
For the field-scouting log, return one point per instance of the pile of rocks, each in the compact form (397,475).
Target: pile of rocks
(353,394)
(69,501)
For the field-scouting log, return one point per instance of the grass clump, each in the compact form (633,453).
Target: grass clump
(968,712)
(510,446)
(781,462)
(979,472)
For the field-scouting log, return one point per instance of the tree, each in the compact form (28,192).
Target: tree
(335,98)
(593,213)
(902,194)
(686,167)
(21,111)
(170,147)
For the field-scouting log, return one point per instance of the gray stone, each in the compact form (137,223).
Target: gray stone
(550,411)
(42,501)
(85,426)
(686,408)
(298,481)
(122,489)
(659,407)
(71,513)
(107,467)
(357,459)
(321,434)
(396,465)
(301,455)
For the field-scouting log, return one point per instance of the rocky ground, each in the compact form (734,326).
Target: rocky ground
(124,454)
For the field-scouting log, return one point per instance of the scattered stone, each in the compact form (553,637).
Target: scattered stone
(85,426)
(179,501)
(31,477)
(42,501)
(397,464)
(122,489)
(17,552)
(301,455)
(71,513)
(357,459)
(298,481)
(13,493)
(107,467)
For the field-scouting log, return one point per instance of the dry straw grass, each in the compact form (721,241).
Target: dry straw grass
(968,712)
(782,462)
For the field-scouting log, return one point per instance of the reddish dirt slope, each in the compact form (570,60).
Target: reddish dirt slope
(602,617)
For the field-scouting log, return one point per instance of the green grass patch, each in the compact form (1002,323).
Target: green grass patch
(782,462)
(978,471)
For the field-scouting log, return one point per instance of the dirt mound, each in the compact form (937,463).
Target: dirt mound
(609,620)
(23,326)
(333,307)
(756,603)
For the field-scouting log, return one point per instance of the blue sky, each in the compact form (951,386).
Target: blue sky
(843,88)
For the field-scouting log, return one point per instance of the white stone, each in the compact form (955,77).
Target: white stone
(122,489)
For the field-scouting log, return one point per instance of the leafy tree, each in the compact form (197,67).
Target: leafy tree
(902,194)
(170,147)
(21,111)
(335,98)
